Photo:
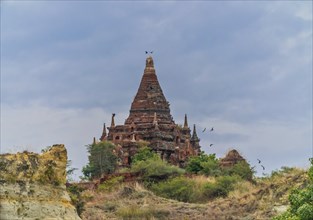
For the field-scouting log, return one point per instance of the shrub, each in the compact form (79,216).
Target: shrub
(301,202)
(204,164)
(210,168)
(77,200)
(241,169)
(154,170)
(110,184)
(212,190)
(179,188)
(189,190)
(144,153)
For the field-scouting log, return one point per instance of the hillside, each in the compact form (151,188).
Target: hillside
(33,187)
(260,200)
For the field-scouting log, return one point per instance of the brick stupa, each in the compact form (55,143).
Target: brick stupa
(150,121)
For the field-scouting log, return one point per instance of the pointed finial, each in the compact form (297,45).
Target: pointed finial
(104,130)
(104,133)
(149,62)
(185,122)
(194,134)
(149,66)
(112,120)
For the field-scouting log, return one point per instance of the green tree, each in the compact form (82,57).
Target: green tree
(203,164)
(102,160)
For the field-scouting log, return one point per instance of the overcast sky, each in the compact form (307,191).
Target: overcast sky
(244,68)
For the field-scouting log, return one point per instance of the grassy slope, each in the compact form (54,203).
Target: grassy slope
(247,201)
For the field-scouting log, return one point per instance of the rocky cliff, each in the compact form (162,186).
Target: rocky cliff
(32,186)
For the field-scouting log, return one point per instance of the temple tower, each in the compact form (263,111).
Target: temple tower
(150,120)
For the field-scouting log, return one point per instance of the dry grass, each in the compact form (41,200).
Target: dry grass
(201,179)
(246,201)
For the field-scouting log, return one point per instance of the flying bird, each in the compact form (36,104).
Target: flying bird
(212,129)
(263,167)
(259,161)
(204,130)
(146,52)
(211,145)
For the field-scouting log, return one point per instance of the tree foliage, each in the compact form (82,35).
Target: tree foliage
(203,164)
(144,154)
(301,202)
(209,166)
(154,169)
(102,160)
(241,169)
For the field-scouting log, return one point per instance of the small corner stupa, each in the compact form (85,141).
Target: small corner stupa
(150,121)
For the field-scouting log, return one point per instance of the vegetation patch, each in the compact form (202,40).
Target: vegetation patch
(110,184)
(209,165)
(155,170)
(301,201)
(189,190)
(78,201)
(102,160)
(136,212)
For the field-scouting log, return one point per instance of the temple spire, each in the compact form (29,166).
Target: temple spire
(149,66)
(149,99)
(104,133)
(94,141)
(185,122)
(112,120)
(194,134)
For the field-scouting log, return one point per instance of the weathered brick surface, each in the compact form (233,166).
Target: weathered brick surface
(150,120)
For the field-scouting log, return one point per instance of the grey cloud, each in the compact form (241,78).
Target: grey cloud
(241,61)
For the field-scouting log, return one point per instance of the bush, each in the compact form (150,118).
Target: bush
(179,188)
(210,168)
(189,190)
(110,184)
(203,163)
(144,153)
(305,211)
(154,170)
(301,202)
(241,169)
(77,200)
